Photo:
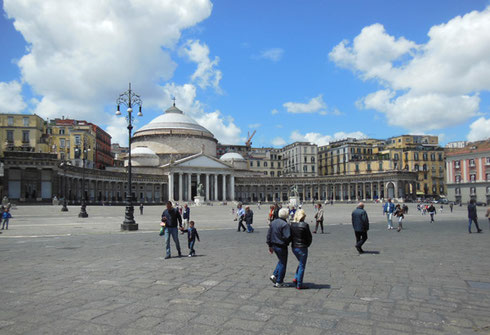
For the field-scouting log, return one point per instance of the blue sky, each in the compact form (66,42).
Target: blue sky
(277,67)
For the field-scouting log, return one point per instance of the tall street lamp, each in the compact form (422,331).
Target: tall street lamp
(128,99)
(64,165)
(83,211)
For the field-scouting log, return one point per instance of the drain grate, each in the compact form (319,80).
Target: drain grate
(478,284)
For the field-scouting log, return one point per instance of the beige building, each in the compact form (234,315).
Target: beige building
(300,160)
(23,132)
(266,161)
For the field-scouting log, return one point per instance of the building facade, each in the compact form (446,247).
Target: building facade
(468,173)
(24,133)
(300,160)
(266,161)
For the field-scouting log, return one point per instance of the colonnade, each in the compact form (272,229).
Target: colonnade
(330,191)
(183,186)
(110,191)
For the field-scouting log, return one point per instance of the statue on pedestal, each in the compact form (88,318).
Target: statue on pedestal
(200,190)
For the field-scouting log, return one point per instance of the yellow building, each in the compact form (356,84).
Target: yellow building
(267,161)
(23,132)
(67,138)
(421,154)
(415,153)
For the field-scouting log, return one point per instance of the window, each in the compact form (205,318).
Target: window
(68,144)
(62,156)
(432,157)
(10,121)
(272,173)
(487,161)
(487,177)
(457,178)
(306,161)
(77,139)
(313,169)
(380,166)
(395,157)
(369,167)
(424,167)
(25,136)
(10,136)
(272,164)
(258,163)
(357,167)
(265,164)
(488,189)
(424,155)
(416,156)
(473,177)
(472,163)
(26,122)
(416,168)
(472,190)
(439,157)
(441,189)
(62,142)
(305,168)
(313,159)
(425,175)
(62,131)
(456,164)
(457,191)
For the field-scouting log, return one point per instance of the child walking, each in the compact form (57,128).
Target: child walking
(191,238)
(6,216)
(399,213)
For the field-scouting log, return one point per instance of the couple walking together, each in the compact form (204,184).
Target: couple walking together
(279,236)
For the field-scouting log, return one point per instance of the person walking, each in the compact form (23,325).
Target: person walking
(360,223)
(240,217)
(389,209)
(278,239)
(141,208)
(399,214)
(405,209)
(319,218)
(191,238)
(301,239)
(6,216)
(249,219)
(172,218)
(472,216)
(451,205)
(432,212)
(186,216)
(488,216)
(270,218)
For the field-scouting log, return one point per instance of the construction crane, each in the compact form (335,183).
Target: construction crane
(248,144)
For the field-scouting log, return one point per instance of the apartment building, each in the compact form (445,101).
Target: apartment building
(300,160)
(267,161)
(468,173)
(23,132)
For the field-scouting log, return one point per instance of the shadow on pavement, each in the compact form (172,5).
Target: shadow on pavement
(371,252)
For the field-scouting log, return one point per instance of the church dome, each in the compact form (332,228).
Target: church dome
(142,151)
(143,156)
(232,156)
(173,119)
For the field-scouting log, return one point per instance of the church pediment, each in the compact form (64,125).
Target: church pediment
(201,161)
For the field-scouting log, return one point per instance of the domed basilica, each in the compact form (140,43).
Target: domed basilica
(175,145)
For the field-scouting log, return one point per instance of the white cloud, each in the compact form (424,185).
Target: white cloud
(223,128)
(278,142)
(206,73)
(272,54)
(274,112)
(321,139)
(82,54)
(428,86)
(117,128)
(255,125)
(11,100)
(479,130)
(315,105)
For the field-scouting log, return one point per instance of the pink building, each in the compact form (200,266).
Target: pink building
(468,173)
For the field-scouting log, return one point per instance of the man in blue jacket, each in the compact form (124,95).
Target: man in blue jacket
(360,223)
(389,209)
(278,238)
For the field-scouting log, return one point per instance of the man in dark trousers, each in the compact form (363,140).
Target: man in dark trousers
(249,219)
(171,217)
(472,216)
(278,238)
(360,223)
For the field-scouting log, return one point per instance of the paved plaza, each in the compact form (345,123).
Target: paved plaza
(65,275)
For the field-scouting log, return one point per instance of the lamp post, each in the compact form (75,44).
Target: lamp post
(129,98)
(64,165)
(83,211)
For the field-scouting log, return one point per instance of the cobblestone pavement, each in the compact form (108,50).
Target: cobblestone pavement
(60,274)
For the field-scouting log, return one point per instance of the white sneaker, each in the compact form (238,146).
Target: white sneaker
(189,256)
(273,279)
(279,285)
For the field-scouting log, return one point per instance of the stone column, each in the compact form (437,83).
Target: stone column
(224,186)
(171,186)
(207,187)
(372,191)
(189,187)
(215,187)
(341,191)
(180,186)
(232,188)
(349,193)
